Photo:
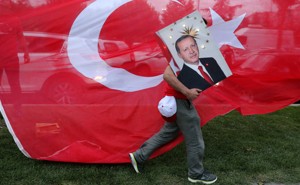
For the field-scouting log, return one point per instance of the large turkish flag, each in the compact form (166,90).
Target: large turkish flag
(81,80)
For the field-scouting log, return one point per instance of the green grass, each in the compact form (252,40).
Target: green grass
(241,150)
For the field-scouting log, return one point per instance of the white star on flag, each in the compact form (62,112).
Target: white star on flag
(223,32)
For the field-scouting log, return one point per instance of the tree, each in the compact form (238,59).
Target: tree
(282,12)
(134,22)
(176,10)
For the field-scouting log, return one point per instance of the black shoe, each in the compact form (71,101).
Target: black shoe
(205,178)
(134,163)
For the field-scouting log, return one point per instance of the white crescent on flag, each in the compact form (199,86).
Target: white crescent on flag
(83,50)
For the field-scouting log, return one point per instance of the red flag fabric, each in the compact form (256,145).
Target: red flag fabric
(81,80)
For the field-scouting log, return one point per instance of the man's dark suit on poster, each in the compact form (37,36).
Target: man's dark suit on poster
(191,79)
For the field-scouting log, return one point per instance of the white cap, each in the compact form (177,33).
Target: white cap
(167,106)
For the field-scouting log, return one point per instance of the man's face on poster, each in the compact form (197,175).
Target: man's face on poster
(188,50)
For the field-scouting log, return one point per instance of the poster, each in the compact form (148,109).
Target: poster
(197,59)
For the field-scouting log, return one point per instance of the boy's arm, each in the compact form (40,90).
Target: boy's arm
(172,80)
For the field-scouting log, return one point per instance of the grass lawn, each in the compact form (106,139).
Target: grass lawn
(241,150)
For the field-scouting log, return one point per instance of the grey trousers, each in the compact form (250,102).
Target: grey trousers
(188,122)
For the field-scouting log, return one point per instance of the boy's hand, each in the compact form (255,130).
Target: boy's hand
(192,94)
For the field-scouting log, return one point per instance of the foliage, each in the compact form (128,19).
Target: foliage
(175,10)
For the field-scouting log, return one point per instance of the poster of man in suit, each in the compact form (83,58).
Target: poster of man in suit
(197,60)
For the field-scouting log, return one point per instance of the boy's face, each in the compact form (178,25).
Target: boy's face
(188,50)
